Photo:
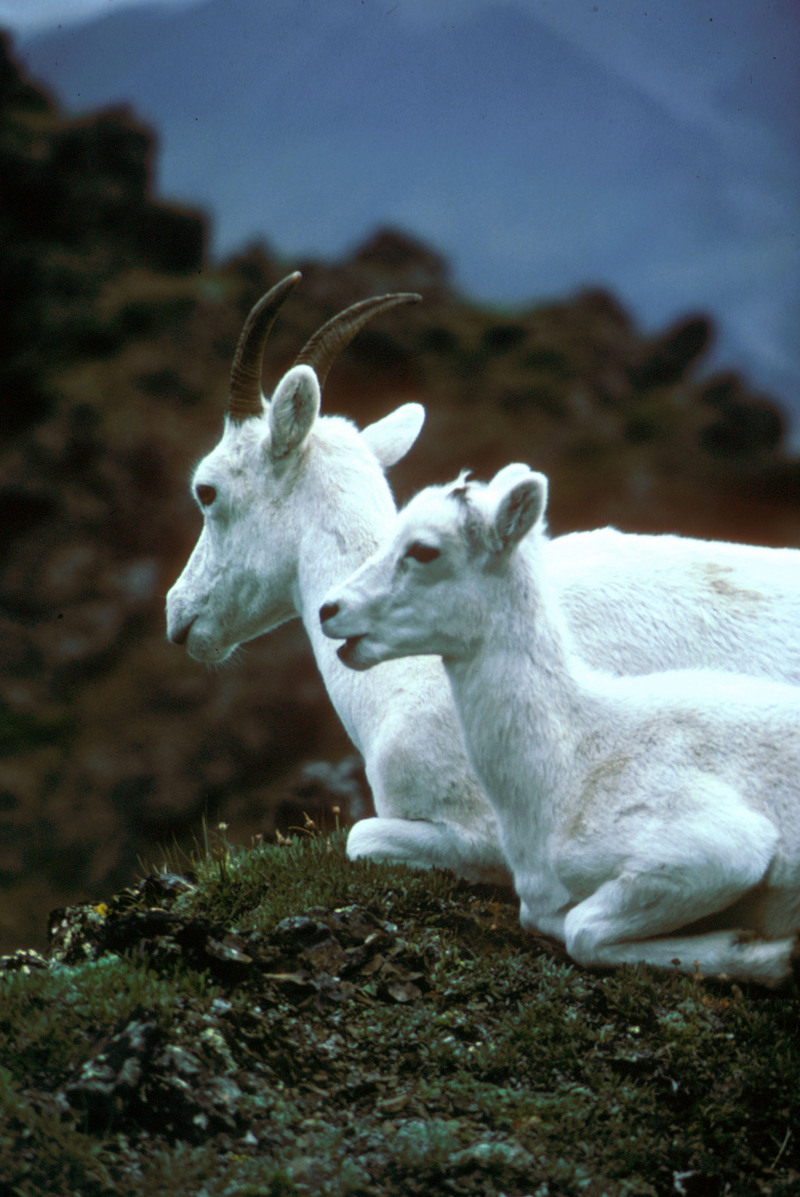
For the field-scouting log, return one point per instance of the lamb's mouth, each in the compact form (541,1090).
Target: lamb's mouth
(347,652)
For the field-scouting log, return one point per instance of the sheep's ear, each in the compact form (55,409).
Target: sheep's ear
(521,503)
(293,410)
(392,437)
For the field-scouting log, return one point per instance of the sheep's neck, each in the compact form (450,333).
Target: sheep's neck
(335,542)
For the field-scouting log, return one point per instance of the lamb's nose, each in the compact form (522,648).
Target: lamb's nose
(327,611)
(181,635)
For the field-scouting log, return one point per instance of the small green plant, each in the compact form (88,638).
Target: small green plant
(218,852)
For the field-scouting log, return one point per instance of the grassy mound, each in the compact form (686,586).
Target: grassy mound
(280,1021)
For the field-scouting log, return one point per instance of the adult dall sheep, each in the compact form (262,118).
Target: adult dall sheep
(293,502)
(629,808)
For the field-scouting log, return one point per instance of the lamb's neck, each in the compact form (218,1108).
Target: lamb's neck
(523,706)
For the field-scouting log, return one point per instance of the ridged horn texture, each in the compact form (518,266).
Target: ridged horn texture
(324,347)
(245,391)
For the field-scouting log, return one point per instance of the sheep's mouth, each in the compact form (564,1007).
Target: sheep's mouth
(181,635)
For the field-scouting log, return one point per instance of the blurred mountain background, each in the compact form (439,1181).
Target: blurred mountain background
(650,149)
(122,304)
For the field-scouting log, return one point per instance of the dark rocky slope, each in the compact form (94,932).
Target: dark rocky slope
(283,1021)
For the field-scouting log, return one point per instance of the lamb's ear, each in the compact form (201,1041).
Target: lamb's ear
(293,410)
(520,505)
(392,437)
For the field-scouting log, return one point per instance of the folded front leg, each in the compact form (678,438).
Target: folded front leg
(471,852)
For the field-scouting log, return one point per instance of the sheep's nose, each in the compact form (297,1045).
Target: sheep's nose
(327,611)
(181,635)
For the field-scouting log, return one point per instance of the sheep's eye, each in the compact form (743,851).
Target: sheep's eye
(422,552)
(205,494)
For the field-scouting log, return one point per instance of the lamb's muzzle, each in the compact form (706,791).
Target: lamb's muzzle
(327,611)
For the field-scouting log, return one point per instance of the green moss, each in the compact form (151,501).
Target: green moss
(253,889)
(47,1019)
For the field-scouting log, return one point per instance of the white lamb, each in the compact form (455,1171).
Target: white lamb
(629,808)
(293,502)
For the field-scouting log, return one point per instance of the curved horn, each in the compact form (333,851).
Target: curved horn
(245,392)
(323,348)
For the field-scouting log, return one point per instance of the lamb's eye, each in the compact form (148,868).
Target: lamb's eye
(422,552)
(205,494)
